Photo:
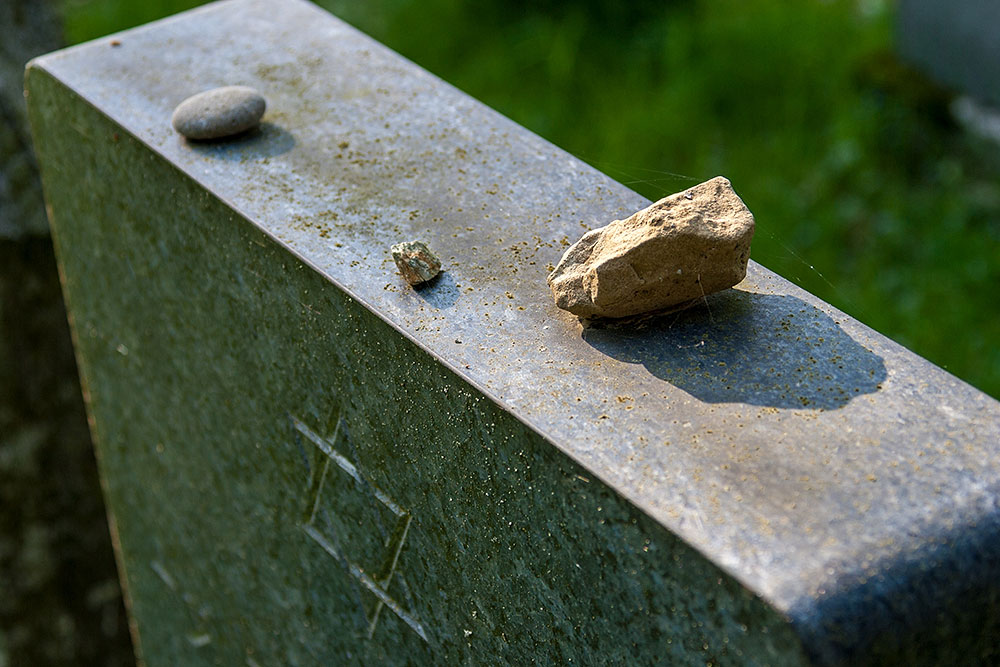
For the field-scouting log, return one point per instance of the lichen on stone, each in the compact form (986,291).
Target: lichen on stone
(415,261)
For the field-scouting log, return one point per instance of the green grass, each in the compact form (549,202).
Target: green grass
(865,192)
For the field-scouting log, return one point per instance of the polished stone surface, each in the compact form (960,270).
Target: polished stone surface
(800,479)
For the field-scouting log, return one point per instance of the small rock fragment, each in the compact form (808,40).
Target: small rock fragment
(220,112)
(415,261)
(677,250)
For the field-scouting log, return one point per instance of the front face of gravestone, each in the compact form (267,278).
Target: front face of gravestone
(294,482)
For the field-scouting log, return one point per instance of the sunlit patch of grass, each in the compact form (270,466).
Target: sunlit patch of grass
(89,19)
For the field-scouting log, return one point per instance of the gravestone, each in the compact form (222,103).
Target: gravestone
(308,461)
(958,43)
(59,599)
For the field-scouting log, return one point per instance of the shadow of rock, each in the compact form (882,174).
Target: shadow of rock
(266,140)
(441,292)
(743,347)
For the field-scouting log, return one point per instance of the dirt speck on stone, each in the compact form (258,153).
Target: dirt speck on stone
(681,248)
(415,261)
(218,113)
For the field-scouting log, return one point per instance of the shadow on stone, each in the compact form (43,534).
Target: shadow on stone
(441,292)
(743,347)
(938,603)
(267,140)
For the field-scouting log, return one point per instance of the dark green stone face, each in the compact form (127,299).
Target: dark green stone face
(308,461)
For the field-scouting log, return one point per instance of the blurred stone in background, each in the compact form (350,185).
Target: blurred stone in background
(27,29)
(60,601)
(957,43)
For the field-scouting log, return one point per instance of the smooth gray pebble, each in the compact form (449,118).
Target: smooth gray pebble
(220,112)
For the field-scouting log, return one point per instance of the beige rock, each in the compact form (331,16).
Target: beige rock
(679,249)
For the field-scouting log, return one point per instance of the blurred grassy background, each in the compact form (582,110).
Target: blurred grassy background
(864,190)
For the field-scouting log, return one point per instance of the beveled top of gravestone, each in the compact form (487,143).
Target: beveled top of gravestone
(816,461)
